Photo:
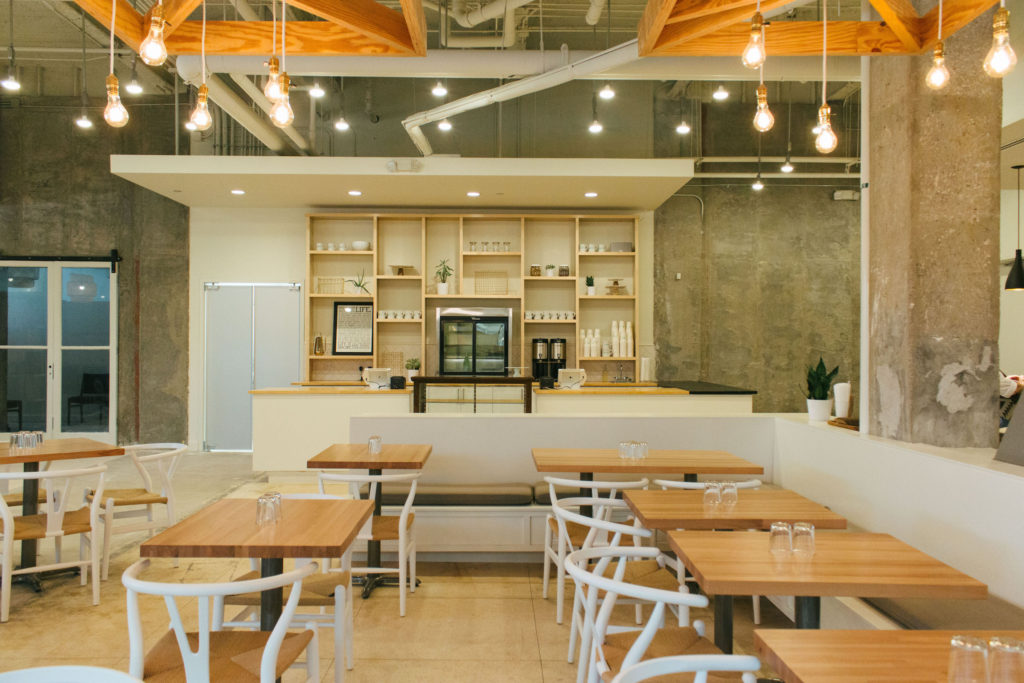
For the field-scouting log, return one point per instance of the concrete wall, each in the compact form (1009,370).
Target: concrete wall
(57,197)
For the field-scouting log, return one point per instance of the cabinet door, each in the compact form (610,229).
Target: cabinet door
(490,347)
(457,347)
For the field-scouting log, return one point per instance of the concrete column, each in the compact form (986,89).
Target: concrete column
(934,247)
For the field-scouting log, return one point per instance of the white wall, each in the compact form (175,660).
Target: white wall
(1011,304)
(235,245)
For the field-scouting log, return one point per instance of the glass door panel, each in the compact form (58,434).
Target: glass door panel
(85,349)
(23,347)
(457,347)
(490,348)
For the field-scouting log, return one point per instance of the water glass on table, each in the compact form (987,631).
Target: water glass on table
(780,540)
(1005,660)
(803,540)
(968,660)
(712,494)
(268,509)
(374,444)
(730,495)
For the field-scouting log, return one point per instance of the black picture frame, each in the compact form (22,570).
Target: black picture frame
(353,328)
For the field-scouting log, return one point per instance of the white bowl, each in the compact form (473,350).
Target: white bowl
(360,245)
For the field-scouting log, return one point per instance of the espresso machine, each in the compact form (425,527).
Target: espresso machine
(549,356)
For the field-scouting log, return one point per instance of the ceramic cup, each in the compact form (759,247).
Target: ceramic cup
(319,246)
(330,246)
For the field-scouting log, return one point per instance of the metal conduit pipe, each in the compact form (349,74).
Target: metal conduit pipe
(260,100)
(594,11)
(506,40)
(620,54)
(476,17)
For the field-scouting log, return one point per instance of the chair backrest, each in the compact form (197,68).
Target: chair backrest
(58,495)
(701,485)
(197,664)
(356,481)
(67,674)
(156,458)
(594,579)
(699,665)
(95,384)
(600,524)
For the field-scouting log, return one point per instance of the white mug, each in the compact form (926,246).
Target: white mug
(330,246)
(319,246)
(416,315)
(342,247)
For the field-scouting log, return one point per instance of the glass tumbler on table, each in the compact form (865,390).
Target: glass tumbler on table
(374,444)
(803,540)
(780,539)
(730,496)
(268,509)
(968,660)
(626,450)
(712,494)
(1005,660)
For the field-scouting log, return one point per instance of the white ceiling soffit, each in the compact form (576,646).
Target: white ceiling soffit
(434,182)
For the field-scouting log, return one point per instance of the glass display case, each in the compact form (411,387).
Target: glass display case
(473,341)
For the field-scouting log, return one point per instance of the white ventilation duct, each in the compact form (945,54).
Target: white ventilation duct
(594,11)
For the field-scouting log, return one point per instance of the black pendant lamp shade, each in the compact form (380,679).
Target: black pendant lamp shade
(1015,280)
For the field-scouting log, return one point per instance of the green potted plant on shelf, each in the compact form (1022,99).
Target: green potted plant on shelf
(443,272)
(360,283)
(550,270)
(819,381)
(412,367)
(590,285)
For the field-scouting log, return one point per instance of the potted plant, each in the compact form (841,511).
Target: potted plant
(360,283)
(550,270)
(443,272)
(819,380)
(412,367)
(590,285)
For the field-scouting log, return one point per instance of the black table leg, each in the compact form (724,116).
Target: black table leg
(723,623)
(271,601)
(808,611)
(690,478)
(29,506)
(586,510)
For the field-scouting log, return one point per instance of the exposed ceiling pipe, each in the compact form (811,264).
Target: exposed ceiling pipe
(618,55)
(233,105)
(478,16)
(506,40)
(260,100)
(594,11)
(509,64)
(245,10)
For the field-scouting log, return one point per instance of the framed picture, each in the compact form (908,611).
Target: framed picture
(353,328)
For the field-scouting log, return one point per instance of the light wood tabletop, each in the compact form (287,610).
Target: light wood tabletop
(755,509)
(857,656)
(308,528)
(357,456)
(862,565)
(58,449)
(657,461)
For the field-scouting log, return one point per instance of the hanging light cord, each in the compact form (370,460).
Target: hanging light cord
(1018,209)
(113,20)
(761,69)
(824,50)
(940,21)
(84,92)
(273,30)
(284,22)
(202,43)
(10,25)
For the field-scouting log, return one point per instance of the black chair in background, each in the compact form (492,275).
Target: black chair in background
(95,391)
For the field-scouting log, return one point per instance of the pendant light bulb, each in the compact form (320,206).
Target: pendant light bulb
(754,53)
(341,124)
(444,125)
(316,91)
(200,116)
(272,88)
(83,121)
(1001,58)
(763,117)
(439,90)
(758,184)
(606,93)
(595,127)
(683,128)
(189,126)
(787,167)
(114,113)
(133,87)
(826,141)
(938,76)
(152,50)
(281,113)
(10,82)
(721,94)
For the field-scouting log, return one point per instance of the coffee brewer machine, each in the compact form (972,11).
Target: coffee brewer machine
(548,357)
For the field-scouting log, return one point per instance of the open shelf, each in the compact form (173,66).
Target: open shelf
(339,252)
(492,253)
(612,358)
(549,322)
(400,322)
(353,297)
(328,356)
(473,296)
(557,278)
(399,277)
(623,297)
(607,253)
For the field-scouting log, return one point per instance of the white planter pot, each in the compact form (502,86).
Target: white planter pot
(590,291)
(819,411)
(550,272)
(442,288)
(412,373)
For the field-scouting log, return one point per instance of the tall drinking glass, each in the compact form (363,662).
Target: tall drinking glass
(968,660)
(1005,660)
(803,540)
(712,494)
(730,496)
(375,444)
(780,540)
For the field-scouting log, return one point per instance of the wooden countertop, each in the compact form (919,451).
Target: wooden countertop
(613,390)
(361,390)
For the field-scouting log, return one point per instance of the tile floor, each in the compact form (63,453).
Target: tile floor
(466,622)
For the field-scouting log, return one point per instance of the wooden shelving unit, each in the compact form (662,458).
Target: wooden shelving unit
(421,241)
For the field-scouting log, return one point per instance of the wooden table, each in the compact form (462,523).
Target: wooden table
(858,656)
(228,528)
(357,456)
(54,449)
(862,565)
(755,509)
(587,461)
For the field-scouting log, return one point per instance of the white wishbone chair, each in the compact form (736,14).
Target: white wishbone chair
(209,655)
(701,666)
(67,674)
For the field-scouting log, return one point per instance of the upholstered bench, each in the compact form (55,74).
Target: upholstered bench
(457,495)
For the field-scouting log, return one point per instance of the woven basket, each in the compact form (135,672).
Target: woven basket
(491,282)
(330,285)
(394,360)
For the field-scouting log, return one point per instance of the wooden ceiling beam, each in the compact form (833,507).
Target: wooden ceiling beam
(129,26)
(416,24)
(902,19)
(366,17)
(255,38)
(955,15)
(693,9)
(652,23)
(797,39)
(688,31)
(175,14)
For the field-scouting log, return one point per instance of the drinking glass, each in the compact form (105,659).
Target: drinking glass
(506,246)
(1006,660)
(730,495)
(641,450)
(268,509)
(968,660)
(803,539)
(375,444)
(780,539)
(472,246)
(495,246)
(625,450)
(712,493)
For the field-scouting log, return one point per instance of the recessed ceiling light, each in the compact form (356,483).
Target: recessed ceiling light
(472,193)
(445,125)
(355,193)
(721,94)
(590,195)
(237,191)
(316,90)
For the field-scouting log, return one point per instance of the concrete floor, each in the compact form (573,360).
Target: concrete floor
(467,621)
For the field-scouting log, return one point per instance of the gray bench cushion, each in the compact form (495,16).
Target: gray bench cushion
(461,494)
(925,613)
(542,493)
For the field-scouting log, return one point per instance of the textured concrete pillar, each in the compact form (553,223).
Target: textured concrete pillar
(934,247)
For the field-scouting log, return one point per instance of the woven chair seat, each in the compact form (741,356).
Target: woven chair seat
(138,496)
(668,641)
(646,573)
(34,526)
(317,590)
(385,528)
(577,532)
(234,655)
